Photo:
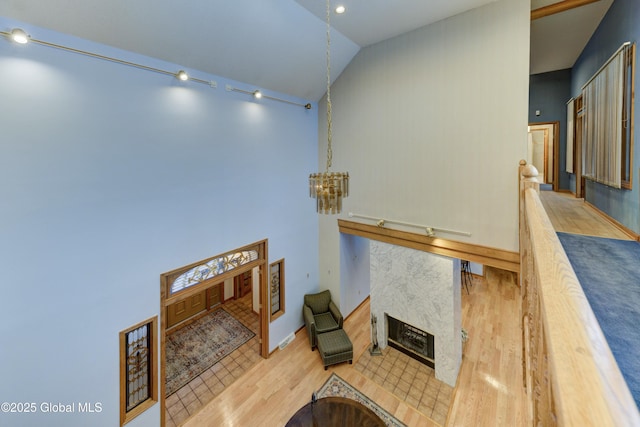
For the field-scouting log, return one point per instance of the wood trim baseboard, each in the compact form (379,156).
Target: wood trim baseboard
(493,257)
(632,234)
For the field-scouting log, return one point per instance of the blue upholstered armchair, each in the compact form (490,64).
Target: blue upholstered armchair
(320,315)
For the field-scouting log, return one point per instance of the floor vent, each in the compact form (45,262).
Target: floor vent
(285,342)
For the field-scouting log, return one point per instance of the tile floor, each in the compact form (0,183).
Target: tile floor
(409,380)
(202,389)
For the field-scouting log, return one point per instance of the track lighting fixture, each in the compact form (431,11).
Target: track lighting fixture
(182,75)
(19,36)
(257,94)
(429,231)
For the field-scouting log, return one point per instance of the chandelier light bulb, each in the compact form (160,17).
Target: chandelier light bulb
(19,36)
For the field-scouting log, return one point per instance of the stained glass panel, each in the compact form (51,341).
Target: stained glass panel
(138,372)
(276,289)
(212,268)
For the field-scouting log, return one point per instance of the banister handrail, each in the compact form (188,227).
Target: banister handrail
(571,375)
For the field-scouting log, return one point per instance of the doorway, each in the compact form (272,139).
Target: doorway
(204,281)
(543,151)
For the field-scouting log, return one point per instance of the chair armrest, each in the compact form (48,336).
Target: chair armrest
(333,308)
(310,323)
(308,316)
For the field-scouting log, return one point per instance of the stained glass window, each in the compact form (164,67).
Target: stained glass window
(212,268)
(276,289)
(138,358)
(138,369)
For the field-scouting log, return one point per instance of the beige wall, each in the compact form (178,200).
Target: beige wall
(431,126)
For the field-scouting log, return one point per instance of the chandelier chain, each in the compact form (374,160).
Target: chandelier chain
(329,188)
(329,120)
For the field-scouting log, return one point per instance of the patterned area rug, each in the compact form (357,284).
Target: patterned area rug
(336,386)
(198,346)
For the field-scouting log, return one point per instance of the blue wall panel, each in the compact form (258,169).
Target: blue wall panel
(621,24)
(549,93)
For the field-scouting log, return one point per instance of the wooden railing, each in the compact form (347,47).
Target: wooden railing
(570,374)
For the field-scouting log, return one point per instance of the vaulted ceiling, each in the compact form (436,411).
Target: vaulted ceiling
(279,45)
(558,39)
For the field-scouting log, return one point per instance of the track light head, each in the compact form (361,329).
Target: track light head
(182,75)
(19,36)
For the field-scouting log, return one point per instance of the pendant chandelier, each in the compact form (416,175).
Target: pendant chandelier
(329,188)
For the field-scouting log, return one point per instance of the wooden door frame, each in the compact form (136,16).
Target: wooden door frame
(262,263)
(556,151)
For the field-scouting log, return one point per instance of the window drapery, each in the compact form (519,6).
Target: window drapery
(606,138)
(570,124)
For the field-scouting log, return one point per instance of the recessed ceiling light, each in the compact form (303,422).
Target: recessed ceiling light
(340,9)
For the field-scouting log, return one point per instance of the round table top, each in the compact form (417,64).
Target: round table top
(335,411)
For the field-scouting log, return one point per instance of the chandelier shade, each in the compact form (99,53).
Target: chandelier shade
(329,188)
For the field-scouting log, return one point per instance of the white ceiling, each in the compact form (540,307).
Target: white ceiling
(558,40)
(370,21)
(277,45)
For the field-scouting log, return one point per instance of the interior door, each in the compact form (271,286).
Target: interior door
(243,284)
(186,308)
(539,154)
(543,151)
(215,295)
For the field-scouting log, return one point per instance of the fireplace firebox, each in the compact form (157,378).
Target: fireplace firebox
(410,340)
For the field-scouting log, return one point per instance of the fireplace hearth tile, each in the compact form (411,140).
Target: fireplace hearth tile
(414,383)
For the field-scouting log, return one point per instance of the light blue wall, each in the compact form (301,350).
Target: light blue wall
(354,272)
(111,175)
(621,24)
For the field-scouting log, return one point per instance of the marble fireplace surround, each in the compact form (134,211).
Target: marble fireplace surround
(423,290)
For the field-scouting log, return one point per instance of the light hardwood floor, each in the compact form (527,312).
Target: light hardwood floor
(489,390)
(571,215)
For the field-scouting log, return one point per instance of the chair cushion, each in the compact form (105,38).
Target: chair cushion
(333,343)
(319,302)
(325,323)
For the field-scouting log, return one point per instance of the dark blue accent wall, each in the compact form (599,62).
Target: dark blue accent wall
(549,93)
(620,24)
